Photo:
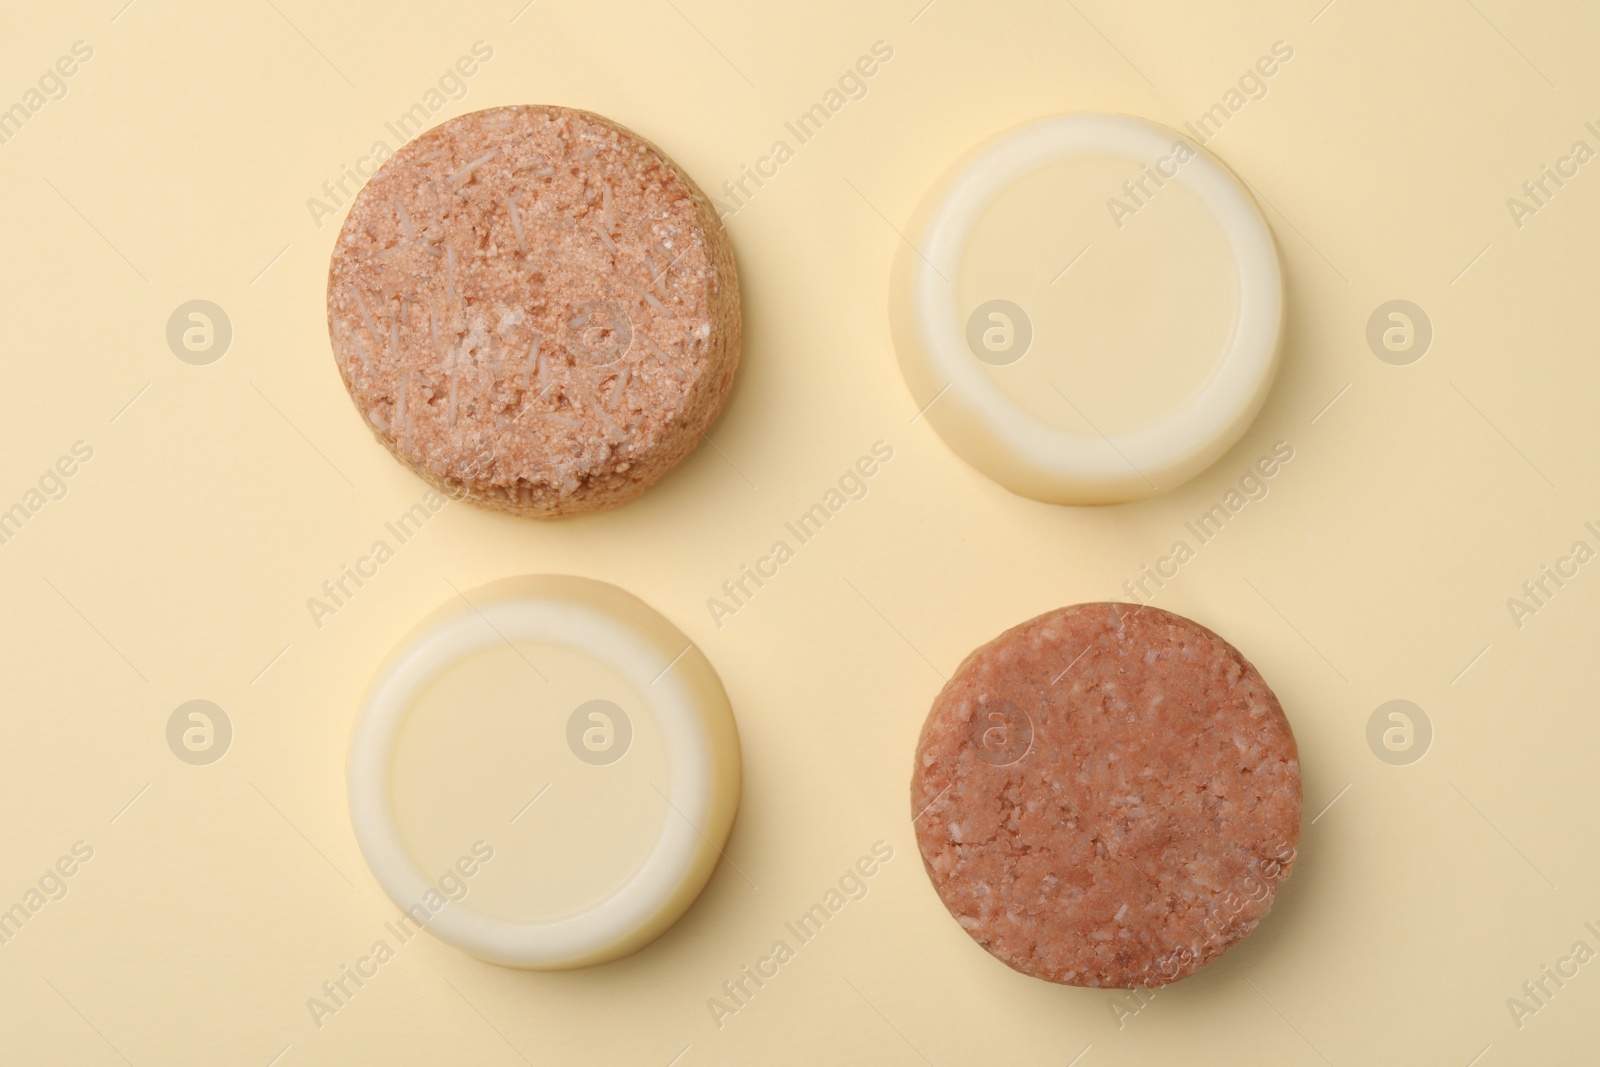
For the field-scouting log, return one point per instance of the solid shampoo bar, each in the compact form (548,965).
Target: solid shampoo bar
(1088,309)
(544,773)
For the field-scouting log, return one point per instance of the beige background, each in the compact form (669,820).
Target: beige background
(220,497)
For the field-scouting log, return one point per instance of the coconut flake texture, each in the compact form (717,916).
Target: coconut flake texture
(1107,795)
(535,308)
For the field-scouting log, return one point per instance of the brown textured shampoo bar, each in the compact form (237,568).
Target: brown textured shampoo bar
(535,308)
(1107,796)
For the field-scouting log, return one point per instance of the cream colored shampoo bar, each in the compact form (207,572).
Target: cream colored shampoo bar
(1088,309)
(544,773)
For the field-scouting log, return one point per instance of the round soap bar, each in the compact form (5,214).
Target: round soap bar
(536,308)
(544,773)
(1107,796)
(1088,309)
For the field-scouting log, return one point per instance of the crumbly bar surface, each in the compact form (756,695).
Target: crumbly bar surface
(535,307)
(1107,795)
